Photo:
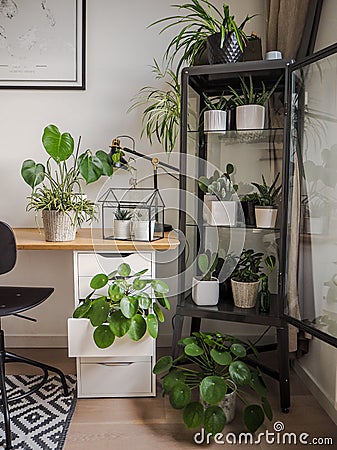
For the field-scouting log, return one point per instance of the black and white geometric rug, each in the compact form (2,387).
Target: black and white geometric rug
(41,420)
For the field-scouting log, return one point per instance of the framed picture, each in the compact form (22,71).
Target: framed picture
(42,44)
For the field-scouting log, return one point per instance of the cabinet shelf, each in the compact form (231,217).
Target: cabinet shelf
(237,227)
(267,135)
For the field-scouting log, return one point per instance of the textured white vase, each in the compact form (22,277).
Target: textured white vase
(121,229)
(250,117)
(228,404)
(265,216)
(205,293)
(59,226)
(215,120)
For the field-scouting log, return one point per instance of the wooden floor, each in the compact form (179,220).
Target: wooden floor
(150,423)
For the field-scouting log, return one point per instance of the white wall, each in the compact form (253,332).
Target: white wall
(120,50)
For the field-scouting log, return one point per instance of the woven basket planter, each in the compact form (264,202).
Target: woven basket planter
(245,294)
(59,226)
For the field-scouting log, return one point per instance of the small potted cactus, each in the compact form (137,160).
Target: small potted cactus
(122,223)
(205,288)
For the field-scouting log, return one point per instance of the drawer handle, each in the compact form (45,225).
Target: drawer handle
(114,255)
(112,364)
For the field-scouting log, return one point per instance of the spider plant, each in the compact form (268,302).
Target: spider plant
(161,114)
(249,95)
(199,20)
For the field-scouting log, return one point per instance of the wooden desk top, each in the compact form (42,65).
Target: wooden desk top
(89,239)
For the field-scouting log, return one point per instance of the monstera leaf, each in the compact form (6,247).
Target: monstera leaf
(59,146)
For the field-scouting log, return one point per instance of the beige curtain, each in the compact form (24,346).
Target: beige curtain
(285,21)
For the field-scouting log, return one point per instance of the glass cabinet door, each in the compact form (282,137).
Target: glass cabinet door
(311,285)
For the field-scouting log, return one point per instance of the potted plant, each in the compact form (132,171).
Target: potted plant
(199,381)
(143,228)
(245,279)
(205,288)
(204,26)
(122,223)
(214,113)
(250,104)
(266,209)
(56,186)
(126,308)
(248,202)
(220,208)
(161,114)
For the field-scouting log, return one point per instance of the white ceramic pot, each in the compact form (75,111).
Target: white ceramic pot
(142,230)
(205,293)
(59,226)
(250,117)
(122,229)
(245,294)
(215,120)
(228,404)
(265,216)
(221,212)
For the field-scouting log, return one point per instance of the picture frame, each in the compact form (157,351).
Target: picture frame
(42,44)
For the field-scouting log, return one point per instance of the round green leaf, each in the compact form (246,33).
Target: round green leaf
(258,384)
(103,336)
(152,325)
(215,420)
(160,286)
(253,417)
(59,146)
(137,327)
(98,313)
(129,306)
(158,312)
(238,350)
(119,324)
(240,373)
(98,281)
(222,358)
(32,173)
(82,309)
(229,168)
(193,350)
(163,365)
(203,263)
(115,293)
(139,284)
(213,389)
(180,395)
(124,270)
(144,300)
(188,340)
(267,408)
(171,379)
(193,415)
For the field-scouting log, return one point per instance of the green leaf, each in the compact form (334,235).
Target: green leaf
(129,306)
(137,327)
(140,273)
(220,357)
(99,281)
(267,408)
(258,384)
(238,350)
(115,293)
(144,300)
(103,336)
(160,286)
(171,379)
(203,263)
(215,420)
(180,395)
(124,270)
(32,173)
(240,373)
(193,415)
(193,350)
(99,311)
(188,340)
(82,309)
(163,301)
(139,284)
(158,312)
(152,325)
(119,324)
(90,167)
(253,417)
(59,146)
(107,167)
(213,389)
(163,365)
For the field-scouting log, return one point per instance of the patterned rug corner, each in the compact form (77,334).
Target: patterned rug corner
(41,420)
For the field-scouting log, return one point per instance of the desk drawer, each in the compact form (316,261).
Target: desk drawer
(89,264)
(115,379)
(81,343)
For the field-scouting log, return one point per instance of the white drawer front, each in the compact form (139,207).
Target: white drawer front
(81,343)
(89,264)
(84,288)
(115,379)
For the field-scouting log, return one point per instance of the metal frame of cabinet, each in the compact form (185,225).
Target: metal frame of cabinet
(212,79)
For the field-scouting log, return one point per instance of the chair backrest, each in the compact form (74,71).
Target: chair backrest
(7,248)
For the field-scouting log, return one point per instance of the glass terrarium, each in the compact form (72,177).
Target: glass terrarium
(132,214)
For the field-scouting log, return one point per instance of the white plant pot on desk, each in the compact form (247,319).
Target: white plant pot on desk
(205,293)
(143,230)
(265,216)
(215,120)
(221,212)
(121,229)
(250,117)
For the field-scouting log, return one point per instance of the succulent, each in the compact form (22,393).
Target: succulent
(219,185)
(249,268)
(267,194)
(123,214)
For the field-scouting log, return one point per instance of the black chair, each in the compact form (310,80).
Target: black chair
(13,301)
